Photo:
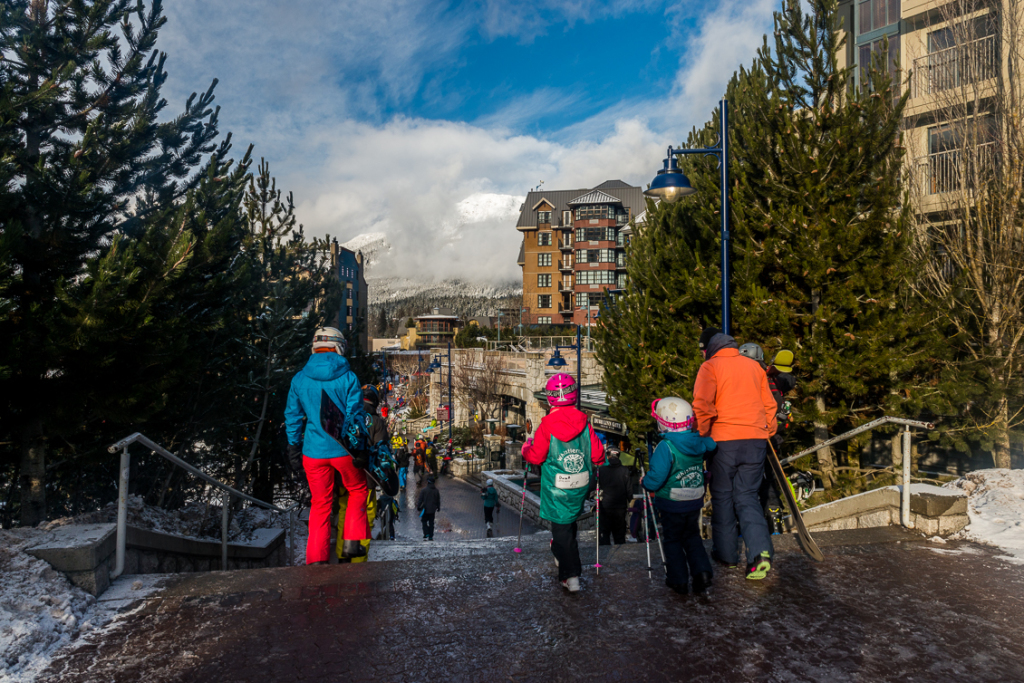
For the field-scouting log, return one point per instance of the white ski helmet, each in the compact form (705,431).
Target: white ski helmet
(673,414)
(752,350)
(330,338)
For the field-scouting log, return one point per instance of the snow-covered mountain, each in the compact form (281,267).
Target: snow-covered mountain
(467,264)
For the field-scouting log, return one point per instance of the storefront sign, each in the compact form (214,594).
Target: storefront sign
(606,424)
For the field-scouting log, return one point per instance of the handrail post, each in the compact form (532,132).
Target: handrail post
(225,512)
(905,498)
(122,514)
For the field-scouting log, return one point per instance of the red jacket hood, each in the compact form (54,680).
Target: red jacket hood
(566,422)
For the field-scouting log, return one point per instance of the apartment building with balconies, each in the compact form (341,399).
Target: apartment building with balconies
(573,250)
(952,56)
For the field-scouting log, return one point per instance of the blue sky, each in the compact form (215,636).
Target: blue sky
(385,115)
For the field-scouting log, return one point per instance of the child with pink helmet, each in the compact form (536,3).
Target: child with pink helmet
(569,450)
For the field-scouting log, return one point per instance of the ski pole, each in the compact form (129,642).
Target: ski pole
(522,506)
(647,538)
(657,534)
(597,526)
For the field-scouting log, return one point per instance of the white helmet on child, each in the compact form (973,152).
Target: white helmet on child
(673,414)
(330,338)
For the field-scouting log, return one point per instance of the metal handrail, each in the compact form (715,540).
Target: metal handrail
(229,492)
(907,424)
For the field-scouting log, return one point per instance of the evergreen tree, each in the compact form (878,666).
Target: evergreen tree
(820,244)
(86,164)
(290,276)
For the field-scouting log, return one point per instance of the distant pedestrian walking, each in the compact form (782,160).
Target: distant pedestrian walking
(676,479)
(490,496)
(568,449)
(734,406)
(616,492)
(428,504)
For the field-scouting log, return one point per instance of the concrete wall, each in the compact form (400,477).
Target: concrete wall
(934,511)
(86,553)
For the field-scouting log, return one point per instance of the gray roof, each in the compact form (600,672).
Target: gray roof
(631,197)
(595,197)
(611,184)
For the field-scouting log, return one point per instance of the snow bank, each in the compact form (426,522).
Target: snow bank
(41,611)
(995,507)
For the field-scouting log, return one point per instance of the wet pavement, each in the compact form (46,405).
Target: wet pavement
(461,515)
(885,605)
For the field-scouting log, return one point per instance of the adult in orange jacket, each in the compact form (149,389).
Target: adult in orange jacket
(734,406)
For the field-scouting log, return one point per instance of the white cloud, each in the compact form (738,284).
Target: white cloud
(307,81)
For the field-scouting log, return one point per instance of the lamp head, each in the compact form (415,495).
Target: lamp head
(671,184)
(556,360)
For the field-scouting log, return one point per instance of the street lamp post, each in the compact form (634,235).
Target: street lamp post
(558,362)
(436,365)
(671,185)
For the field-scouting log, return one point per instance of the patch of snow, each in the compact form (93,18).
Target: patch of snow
(916,489)
(41,611)
(995,507)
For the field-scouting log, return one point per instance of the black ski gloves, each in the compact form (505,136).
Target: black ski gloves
(295,458)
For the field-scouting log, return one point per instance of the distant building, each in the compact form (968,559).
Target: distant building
(349,267)
(573,250)
(434,329)
(380,343)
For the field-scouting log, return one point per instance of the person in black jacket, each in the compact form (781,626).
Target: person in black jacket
(616,492)
(428,504)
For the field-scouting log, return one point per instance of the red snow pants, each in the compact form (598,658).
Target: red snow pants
(320,475)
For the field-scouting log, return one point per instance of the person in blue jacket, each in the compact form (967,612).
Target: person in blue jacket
(327,376)
(676,479)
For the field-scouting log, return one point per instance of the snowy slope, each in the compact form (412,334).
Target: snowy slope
(996,509)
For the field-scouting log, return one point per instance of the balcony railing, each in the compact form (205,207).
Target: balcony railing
(565,286)
(956,169)
(565,245)
(946,69)
(565,265)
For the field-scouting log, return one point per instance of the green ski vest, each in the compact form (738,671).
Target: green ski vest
(565,479)
(686,480)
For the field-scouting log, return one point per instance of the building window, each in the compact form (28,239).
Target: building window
(595,256)
(876,14)
(544,320)
(622,280)
(544,239)
(543,217)
(890,59)
(543,260)
(544,280)
(608,234)
(595,277)
(599,211)
(543,301)
(566,217)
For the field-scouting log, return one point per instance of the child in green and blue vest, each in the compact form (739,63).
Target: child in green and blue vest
(676,478)
(568,450)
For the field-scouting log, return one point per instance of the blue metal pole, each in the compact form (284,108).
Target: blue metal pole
(726,271)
